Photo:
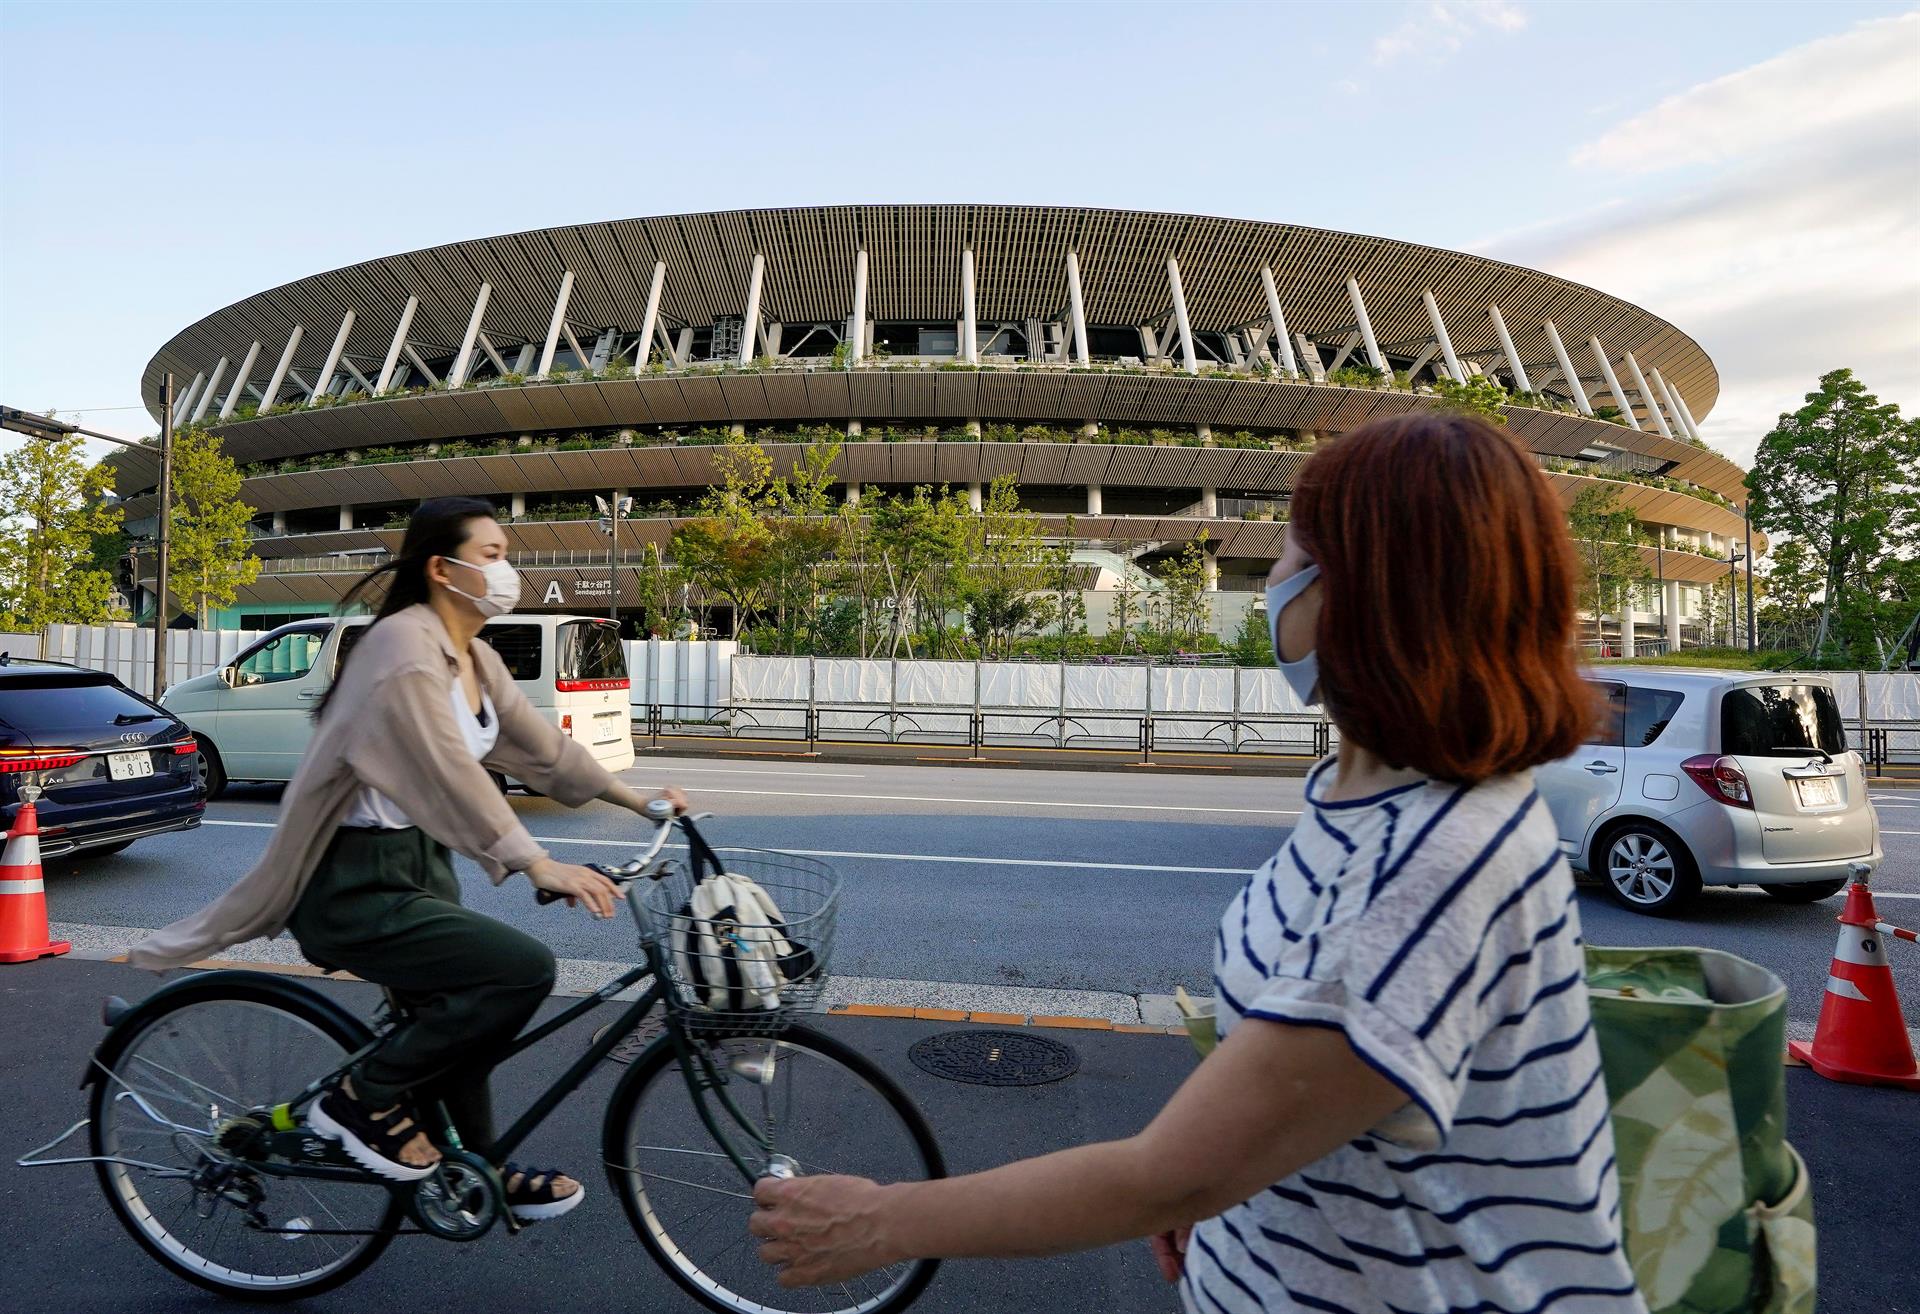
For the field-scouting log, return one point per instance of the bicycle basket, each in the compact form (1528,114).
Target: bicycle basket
(740,957)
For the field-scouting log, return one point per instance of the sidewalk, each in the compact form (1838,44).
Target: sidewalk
(76,1258)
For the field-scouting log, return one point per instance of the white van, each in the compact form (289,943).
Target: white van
(253,717)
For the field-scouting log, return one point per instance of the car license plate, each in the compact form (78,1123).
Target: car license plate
(1817,792)
(129,766)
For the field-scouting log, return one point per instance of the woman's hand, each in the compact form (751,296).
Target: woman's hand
(576,883)
(678,797)
(625,796)
(820,1229)
(1170,1252)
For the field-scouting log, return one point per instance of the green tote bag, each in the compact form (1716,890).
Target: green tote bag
(1715,1206)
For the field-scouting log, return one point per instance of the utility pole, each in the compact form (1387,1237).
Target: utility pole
(163,537)
(1752,633)
(611,509)
(39,426)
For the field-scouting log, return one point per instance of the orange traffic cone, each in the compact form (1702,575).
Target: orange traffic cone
(1861,1037)
(23,897)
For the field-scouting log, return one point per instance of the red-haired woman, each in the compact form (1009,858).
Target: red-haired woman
(1405,1110)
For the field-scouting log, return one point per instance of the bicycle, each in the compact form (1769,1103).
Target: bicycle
(204,1158)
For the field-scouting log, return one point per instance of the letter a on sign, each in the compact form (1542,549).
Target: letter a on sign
(553,593)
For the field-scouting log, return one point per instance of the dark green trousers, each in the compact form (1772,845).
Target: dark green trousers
(385,905)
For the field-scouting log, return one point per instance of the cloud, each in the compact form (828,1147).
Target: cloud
(1440,28)
(1782,235)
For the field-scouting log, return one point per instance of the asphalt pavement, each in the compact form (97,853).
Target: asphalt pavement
(1037,891)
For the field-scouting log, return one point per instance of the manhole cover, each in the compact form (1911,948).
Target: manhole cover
(994,1058)
(635,1041)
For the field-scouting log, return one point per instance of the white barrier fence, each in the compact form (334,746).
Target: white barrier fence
(686,678)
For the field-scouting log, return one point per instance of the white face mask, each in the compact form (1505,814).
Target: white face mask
(502,587)
(1302,676)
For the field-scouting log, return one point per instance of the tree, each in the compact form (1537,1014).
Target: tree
(1479,396)
(1183,596)
(53,510)
(1003,568)
(1603,534)
(913,538)
(210,558)
(1128,608)
(725,549)
(801,536)
(1841,475)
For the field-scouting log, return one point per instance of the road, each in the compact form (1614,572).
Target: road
(1035,891)
(1103,885)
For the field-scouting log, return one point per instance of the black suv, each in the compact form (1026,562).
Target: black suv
(113,766)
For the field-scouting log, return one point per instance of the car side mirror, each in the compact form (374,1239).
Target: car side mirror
(228,675)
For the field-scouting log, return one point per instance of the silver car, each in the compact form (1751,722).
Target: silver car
(1713,778)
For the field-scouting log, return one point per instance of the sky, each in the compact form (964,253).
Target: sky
(1749,172)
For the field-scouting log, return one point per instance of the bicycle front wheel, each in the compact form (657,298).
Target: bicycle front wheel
(185,1081)
(802,1097)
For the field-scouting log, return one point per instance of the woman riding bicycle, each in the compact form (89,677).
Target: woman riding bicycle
(358,867)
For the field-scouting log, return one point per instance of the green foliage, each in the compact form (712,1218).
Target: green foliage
(1183,591)
(53,514)
(1840,477)
(1603,540)
(211,555)
(1479,396)
(1252,645)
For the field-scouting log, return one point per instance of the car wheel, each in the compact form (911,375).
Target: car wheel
(213,776)
(103,850)
(1646,868)
(1806,891)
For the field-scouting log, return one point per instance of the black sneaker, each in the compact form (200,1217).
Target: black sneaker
(531,1193)
(371,1139)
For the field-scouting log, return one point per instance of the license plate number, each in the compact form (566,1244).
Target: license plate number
(1818,792)
(129,766)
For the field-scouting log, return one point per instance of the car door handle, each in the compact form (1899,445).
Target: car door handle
(1600,768)
(313,693)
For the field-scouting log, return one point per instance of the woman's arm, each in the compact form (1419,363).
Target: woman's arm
(1271,1100)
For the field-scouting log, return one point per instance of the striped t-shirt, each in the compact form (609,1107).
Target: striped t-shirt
(1434,925)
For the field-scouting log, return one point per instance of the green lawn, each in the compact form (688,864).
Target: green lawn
(1725,659)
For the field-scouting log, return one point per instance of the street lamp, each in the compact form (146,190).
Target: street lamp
(49,430)
(610,524)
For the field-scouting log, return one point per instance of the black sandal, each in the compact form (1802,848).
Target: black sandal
(371,1139)
(530,1193)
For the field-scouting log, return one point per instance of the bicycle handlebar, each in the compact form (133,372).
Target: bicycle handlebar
(661,814)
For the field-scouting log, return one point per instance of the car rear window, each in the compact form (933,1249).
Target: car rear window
(1648,711)
(60,702)
(589,650)
(1781,720)
(519,648)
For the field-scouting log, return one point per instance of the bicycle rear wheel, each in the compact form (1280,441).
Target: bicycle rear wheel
(825,1110)
(187,1074)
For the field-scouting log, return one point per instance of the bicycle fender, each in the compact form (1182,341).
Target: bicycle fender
(223,983)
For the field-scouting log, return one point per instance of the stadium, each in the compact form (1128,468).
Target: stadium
(1145,377)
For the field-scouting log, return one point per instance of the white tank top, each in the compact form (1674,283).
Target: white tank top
(372,809)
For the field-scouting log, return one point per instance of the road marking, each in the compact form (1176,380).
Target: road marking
(999,802)
(1900,832)
(789,772)
(957,859)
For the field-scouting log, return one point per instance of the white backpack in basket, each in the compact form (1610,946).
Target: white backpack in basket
(729,947)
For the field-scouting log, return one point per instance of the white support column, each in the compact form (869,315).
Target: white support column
(579,351)
(1209,502)
(1646,395)
(1506,345)
(1673,407)
(1082,349)
(1566,369)
(1187,358)
(213,386)
(279,375)
(857,323)
(392,362)
(1620,398)
(750,329)
(413,359)
(1687,416)
(651,317)
(463,360)
(1440,336)
(969,327)
(1365,325)
(973,496)
(1093,499)
(1211,567)
(325,376)
(516,506)
(346,517)
(552,341)
(1627,647)
(239,388)
(853,494)
(1672,590)
(187,398)
(1283,347)
(366,384)
(279,523)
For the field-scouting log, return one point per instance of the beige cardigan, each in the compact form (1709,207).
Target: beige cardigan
(390,725)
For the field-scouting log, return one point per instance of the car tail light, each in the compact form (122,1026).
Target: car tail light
(566,722)
(1721,777)
(14,760)
(591,686)
(181,750)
